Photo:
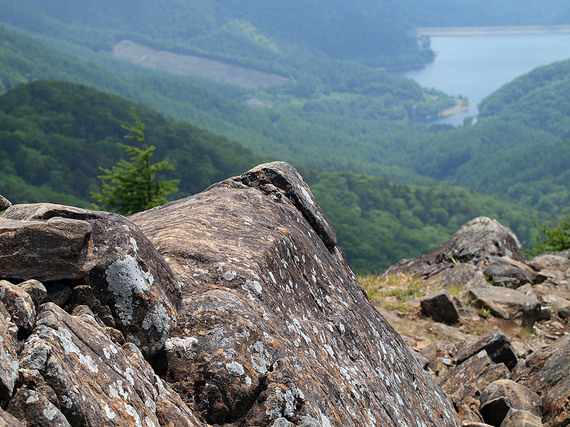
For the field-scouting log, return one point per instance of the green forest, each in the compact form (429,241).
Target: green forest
(392,187)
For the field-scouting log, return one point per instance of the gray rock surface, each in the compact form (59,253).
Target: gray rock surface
(518,418)
(130,285)
(274,323)
(96,381)
(507,272)
(508,304)
(478,243)
(468,380)
(546,373)
(9,348)
(247,312)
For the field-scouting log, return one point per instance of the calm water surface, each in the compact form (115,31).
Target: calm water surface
(475,66)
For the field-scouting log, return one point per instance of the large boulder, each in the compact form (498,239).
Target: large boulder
(546,373)
(274,327)
(92,258)
(478,242)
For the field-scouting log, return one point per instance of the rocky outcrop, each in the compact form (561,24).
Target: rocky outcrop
(478,243)
(274,326)
(246,313)
(494,379)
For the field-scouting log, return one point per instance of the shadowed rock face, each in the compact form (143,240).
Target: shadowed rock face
(274,326)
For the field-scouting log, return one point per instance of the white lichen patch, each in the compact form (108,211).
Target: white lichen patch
(50,411)
(126,278)
(159,319)
(254,286)
(235,368)
(229,275)
(109,413)
(134,244)
(184,343)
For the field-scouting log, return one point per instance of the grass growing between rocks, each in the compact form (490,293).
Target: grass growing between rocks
(392,292)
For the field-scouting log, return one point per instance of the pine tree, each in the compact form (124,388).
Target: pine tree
(132,185)
(555,238)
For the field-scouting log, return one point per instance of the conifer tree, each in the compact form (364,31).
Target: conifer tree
(132,185)
(555,238)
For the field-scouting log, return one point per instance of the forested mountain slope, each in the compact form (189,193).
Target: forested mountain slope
(54,136)
(538,99)
(333,115)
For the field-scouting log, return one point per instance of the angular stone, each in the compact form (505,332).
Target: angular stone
(8,354)
(546,373)
(518,418)
(463,276)
(440,307)
(556,261)
(101,250)
(34,408)
(508,304)
(20,305)
(35,289)
(497,346)
(559,305)
(4,203)
(96,381)
(440,353)
(504,394)
(468,380)
(507,272)
(274,323)
(44,250)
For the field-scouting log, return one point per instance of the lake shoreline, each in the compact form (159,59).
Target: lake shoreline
(493,31)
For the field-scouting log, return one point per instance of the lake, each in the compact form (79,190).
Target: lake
(474,66)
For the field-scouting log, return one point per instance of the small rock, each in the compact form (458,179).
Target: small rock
(559,305)
(497,346)
(510,273)
(508,304)
(20,305)
(439,352)
(504,394)
(440,307)
(35,289)
(468,380)
(4,203)
(8,354)
(518,418)
(282,422)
